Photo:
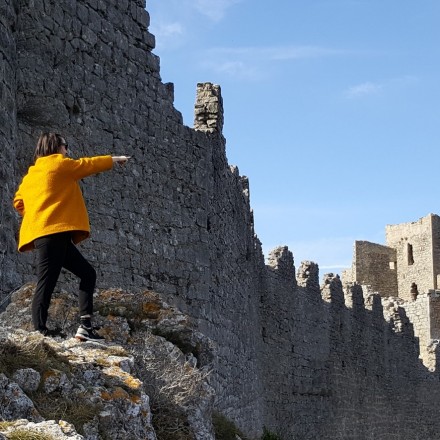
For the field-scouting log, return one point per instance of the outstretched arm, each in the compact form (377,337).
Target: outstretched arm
(87,166)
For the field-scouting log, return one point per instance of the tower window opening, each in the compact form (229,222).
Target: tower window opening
(410,254)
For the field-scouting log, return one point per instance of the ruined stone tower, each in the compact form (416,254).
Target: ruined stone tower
(417,246)
(409,261)
(406,270)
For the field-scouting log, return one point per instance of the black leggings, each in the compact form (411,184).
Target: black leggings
(53,253)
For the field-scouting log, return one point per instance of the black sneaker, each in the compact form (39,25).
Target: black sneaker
(88,334)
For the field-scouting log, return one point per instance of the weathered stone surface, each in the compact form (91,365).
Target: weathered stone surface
(27,379)
(14,402)
(9,277)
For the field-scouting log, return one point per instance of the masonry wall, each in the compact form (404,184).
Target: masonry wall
(375,265)
(434,314)
(419,314)
(304,361)
(415,261)
(295,353)
(9,277)
(424,315)
(435,225)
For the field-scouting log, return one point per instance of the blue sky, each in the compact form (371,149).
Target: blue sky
(332,109)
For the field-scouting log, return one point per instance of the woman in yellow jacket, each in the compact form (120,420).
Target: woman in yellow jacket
(55,218)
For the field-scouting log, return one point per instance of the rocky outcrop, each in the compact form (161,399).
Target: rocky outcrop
(91,386)
(150,376)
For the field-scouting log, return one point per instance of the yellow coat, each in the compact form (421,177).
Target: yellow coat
(50,199)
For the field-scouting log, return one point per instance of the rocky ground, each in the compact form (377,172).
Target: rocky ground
(148,380)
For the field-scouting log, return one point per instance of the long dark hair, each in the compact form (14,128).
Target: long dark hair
(48,143)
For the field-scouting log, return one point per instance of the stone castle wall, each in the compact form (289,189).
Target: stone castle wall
(334,366)
(306,362)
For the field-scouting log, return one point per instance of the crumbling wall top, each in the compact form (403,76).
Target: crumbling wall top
(208,111)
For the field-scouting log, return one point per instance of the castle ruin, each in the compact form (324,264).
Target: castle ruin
(410,261)
(304,359)
(407,268)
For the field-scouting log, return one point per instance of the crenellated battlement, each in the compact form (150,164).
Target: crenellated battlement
(308,276)
(354,296)
(339,335)
(332,290)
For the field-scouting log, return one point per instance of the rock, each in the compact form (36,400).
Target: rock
(28,379)
(59,431)
(54,380)
(14,404)
(88,390)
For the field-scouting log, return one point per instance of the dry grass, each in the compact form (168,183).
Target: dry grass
(31,353)
(24,434)
(173,385)
(180,381)
(116,350)
(75,410)
(170,424)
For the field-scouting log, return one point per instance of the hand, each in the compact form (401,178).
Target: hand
(120,159)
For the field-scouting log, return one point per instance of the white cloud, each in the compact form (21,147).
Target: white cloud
(286,53)
(277,53)
(364,89)
(214,9)
(369,88)
(235,69)
(252,62)
(175,22)
(169,34)
(167,30)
